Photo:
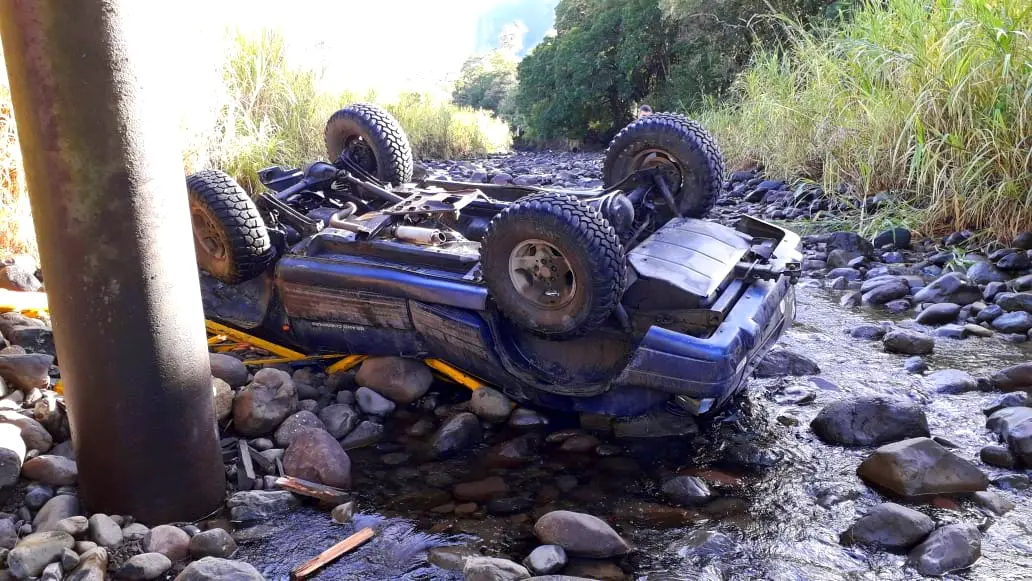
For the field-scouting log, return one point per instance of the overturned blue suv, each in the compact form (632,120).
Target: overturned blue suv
(619,301)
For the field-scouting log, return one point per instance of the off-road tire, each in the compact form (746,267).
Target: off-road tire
(589,244)
(682,139)
(220,208)
(382,133)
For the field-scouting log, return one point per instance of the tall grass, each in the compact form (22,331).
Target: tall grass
(16,230)
(928,99)
(275,113)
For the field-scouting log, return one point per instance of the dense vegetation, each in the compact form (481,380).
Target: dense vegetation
(928,99)
(608,56)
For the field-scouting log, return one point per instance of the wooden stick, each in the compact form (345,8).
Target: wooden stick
(332,554)
(313,489)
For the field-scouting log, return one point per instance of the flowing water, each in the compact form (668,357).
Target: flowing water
(785,496)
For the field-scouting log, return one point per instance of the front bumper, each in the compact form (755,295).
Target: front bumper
(703,373)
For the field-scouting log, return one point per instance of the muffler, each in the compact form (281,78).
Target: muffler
(420,235)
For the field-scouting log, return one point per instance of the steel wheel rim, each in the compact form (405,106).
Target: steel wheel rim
(206,235)
(542,274)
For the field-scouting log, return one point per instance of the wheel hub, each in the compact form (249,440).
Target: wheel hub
(542,274)
(669,169)
(206,235)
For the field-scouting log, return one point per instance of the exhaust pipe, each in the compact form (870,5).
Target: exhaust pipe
(420,235)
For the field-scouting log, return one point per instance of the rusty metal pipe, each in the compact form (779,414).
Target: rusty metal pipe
(109,203)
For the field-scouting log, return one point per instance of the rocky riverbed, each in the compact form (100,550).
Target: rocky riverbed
(886,438)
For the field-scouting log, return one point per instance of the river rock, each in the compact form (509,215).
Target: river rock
(93,565)
(397,378)
(983,273)
(56,509)
(908,342)
(949,288)
(34,552)
(373,403)
(894,237)
(104,531)
(849,242)
(870,421)
(480,490)
(915,364)
(254,505)
(514,452)
(223,395)
(492,569)
(1023,241)
(846,273)
(580,535)
(36,437)
(460,432)
(950,548)
(135,531)
(365,434)
(919,467)
(315,455)
(1014,427)
(952,381)
(294,425)
(52,470)
(1009,400)
(889,526)
(781,362)
(989,313)
(1015,302)
(73,525)
(12,454)
(998,456)
(27,371)
(886,293)
(939,314)
(212,543)
(16,277)
(546,559)
(702,544)
(1019,322)
(339,419)
(261,407)
(524,418)
(228,369)
(8,534)
(491,405)
(145,566)
(215,569)
(171,541)
(1013,378)
(687,490)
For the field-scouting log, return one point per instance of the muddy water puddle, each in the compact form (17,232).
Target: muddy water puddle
(782,496)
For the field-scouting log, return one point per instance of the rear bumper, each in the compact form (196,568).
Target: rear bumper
(705,372)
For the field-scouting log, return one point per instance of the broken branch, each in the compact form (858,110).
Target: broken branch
(333,553)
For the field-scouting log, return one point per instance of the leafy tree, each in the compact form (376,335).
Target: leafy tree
(584,82)
(486,81)
(608,56)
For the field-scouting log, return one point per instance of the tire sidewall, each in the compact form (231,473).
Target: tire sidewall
(682,139)
(560,320)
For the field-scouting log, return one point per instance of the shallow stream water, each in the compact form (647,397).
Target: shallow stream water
(786,496)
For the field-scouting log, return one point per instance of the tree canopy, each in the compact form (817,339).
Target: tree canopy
(608,56)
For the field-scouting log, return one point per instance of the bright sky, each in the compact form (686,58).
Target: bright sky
(383,43)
